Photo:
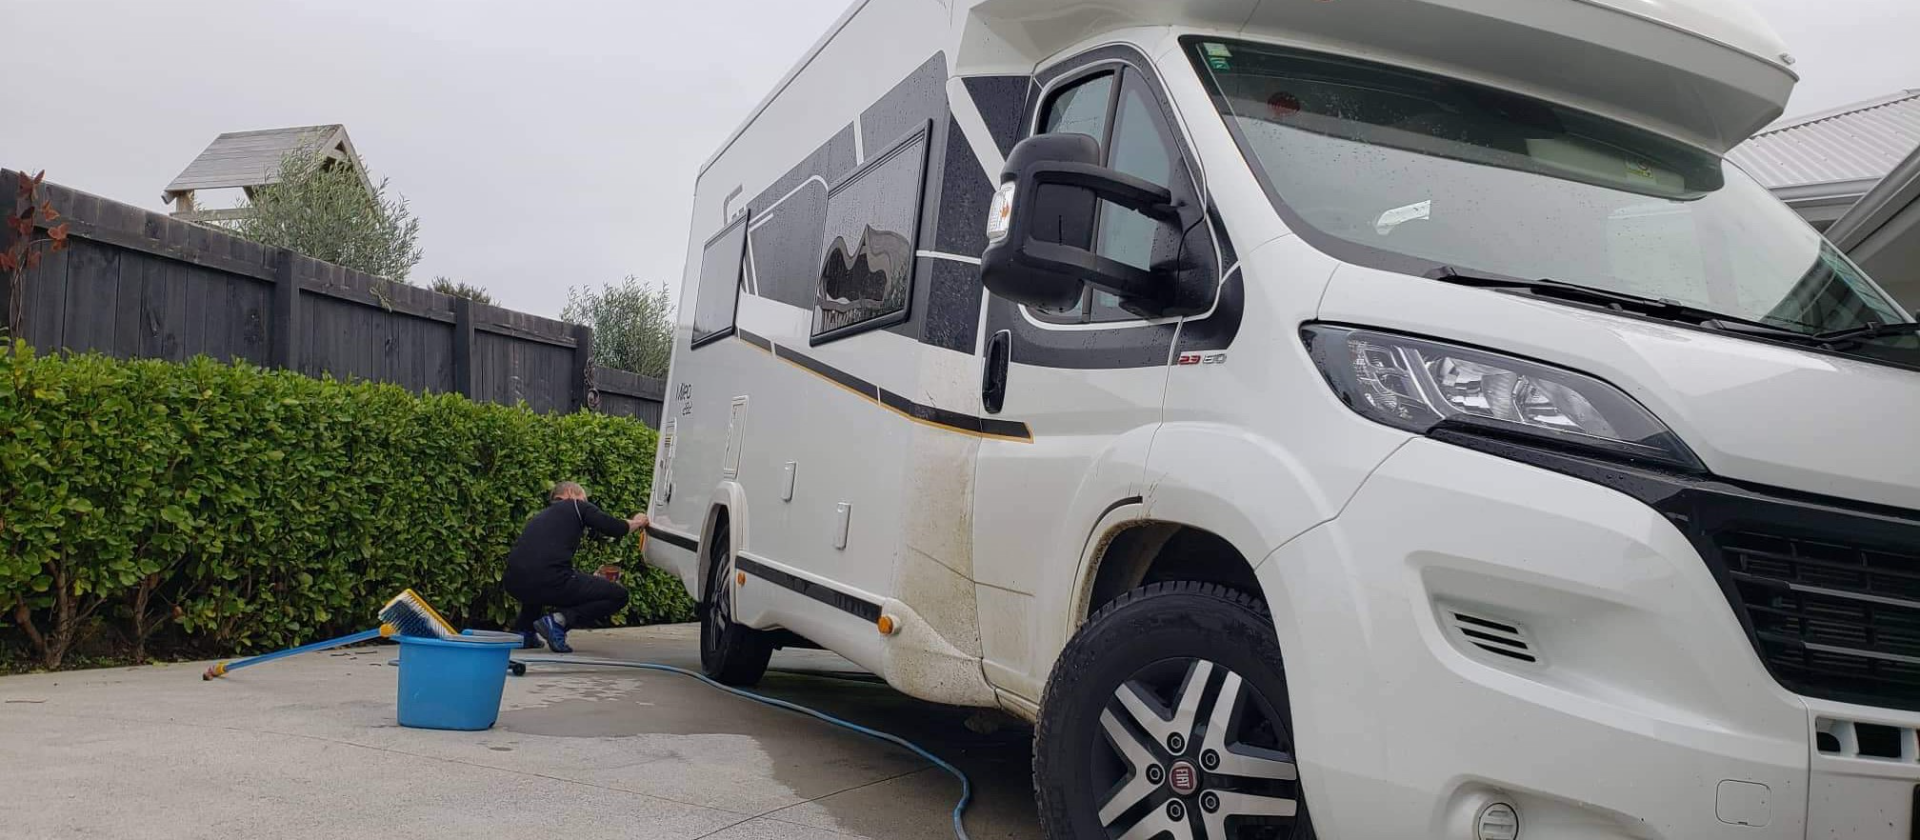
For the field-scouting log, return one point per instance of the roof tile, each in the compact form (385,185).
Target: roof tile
(1859,142)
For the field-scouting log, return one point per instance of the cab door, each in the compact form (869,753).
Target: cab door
(1087,381)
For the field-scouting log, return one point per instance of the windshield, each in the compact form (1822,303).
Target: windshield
(1414,172)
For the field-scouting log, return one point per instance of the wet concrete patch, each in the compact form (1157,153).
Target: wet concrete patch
(808,757)
(311,745)
(844,778)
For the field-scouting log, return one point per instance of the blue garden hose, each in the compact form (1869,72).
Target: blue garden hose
(966,787)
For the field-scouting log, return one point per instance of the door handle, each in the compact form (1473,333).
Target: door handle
(993,380)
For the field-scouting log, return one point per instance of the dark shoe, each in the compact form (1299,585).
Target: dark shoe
(554,632)
(530,641)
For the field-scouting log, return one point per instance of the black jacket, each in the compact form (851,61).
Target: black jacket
(545,548)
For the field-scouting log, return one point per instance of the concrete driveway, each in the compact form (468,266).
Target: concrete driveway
(308,747)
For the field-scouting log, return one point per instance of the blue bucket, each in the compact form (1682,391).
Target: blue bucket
(452,685)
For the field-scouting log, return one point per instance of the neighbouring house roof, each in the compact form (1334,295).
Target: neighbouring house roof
(252,158)
(1822,163)
(1882,232)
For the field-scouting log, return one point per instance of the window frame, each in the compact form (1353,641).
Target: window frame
(696,341)
(1085,76)
(1115,70)
(924,136)
(1125,72)
(1132,81)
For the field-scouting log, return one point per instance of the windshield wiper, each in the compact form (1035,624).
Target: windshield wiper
(1760,330)
(1872,330)
(1666,308)
(1855,335)
(1623,301)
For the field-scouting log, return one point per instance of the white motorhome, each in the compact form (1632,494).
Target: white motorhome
(1364,419)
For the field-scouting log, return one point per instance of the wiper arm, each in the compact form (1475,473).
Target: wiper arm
(1639,304)
(1755,328)
(1873,329)
(1625,301)
(1550,288)
(1824,339)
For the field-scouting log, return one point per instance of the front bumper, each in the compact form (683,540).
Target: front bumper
(1408,623)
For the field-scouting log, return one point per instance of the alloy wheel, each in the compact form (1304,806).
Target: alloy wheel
(720,600)
(1192,750)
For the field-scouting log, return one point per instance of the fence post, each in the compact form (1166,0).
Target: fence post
(583,387)
(284,352)
(463,348)
(9,204)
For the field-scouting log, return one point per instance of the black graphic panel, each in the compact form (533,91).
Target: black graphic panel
(965,193)
(1001,100)
(919,97)
(786,245)
(952,312)
(1132,346)
(1217,331)
(829,163)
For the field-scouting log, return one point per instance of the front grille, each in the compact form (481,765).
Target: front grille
(1830,618)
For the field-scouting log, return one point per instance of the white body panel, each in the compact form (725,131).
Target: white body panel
(1627,732)
(982,533)
(843,451)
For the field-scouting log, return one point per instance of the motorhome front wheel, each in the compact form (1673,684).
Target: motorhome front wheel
(1167,713)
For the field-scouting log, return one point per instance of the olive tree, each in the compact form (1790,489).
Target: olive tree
(326,212)
(450,286)
(632,324)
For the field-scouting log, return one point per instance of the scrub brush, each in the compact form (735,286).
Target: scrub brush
(411,615)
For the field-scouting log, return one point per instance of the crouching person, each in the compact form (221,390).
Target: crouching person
(553,596)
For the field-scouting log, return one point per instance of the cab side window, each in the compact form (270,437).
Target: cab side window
(1082,107)
(1142,147)
(1134,139)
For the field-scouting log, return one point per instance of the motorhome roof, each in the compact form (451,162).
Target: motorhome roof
(1732,23)
(1706,72)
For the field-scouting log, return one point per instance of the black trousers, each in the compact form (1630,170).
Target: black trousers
(581,598)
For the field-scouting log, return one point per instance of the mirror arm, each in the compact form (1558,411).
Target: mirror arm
(1104,273)
(1136,194)
(1035,272)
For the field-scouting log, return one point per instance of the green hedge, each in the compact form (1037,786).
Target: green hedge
(230,509)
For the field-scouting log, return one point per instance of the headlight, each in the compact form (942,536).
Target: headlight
(1415,384)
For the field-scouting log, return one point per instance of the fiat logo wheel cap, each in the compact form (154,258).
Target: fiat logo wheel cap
(1183,778)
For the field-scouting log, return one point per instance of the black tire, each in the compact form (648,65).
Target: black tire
(1177,650)
(730,653)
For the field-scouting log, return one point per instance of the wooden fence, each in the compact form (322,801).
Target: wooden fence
(139,284)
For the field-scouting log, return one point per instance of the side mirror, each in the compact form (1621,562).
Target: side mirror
(1040,228)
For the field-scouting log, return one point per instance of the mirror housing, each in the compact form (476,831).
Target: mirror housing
(1041,226)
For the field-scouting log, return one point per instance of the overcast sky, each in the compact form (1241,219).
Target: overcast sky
(542,144)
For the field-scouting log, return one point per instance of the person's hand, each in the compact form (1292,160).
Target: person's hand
(638,522)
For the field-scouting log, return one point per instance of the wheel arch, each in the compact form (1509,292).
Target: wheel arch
(1223,495)
(1135,552)
(727,507)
